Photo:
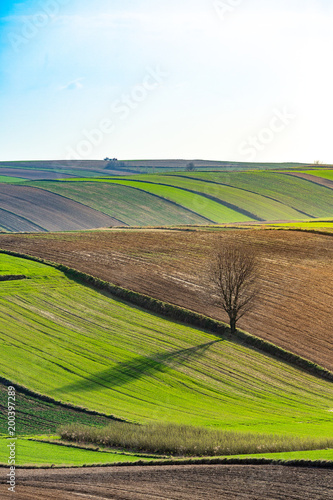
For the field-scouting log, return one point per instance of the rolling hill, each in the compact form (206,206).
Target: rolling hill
(295,308)
(103,354)
(61,199)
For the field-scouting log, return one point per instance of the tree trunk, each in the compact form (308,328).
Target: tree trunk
(232,325)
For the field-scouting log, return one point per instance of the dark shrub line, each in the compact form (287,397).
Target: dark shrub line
(321,464)
(12,277)
(184,315)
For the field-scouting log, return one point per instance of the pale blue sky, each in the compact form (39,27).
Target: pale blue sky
(243,80)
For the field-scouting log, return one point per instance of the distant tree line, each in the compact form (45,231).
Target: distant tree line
(190,167)
(114,163)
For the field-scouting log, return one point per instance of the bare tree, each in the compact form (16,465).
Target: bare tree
(235,274)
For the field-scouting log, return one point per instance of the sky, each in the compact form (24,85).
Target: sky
(229,80)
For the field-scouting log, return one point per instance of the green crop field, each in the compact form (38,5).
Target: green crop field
(200,206)
(198,197)
(310,199)
(43,454)
(295,455)
(166,199)
(102,354)
(132,207)
(10,180)
(34,416)
(325,226)
(46,454)
(325,174)
(211,210)
(257,205)
(315,225)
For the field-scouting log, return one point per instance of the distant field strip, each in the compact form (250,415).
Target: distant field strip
(7,179)
(320,226)
(258,206)
(212,211)
(105,355)
(21,173)
(295,193)
(171,199)
(294,455)
(214,196)
(325,174)
(123,203)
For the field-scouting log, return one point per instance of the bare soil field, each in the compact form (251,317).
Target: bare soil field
(214,482)
(25,208)
(315,179)
(54,164)
(34,175)
(295,307)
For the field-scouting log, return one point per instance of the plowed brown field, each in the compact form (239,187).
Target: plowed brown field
(313,178)
(34,175)
(25,208)
(215,482)
(295,307)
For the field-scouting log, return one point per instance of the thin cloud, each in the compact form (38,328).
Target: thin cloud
(74,85)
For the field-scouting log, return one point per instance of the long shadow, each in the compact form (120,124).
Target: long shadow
(140,366)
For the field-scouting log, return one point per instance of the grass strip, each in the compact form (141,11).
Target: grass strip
(184,440)
(33,453)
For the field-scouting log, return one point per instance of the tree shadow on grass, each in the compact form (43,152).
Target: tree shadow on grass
(135,369)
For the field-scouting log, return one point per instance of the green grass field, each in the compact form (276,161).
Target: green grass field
(45,454)
(29,453)
(34,416)
(295,455)
(325,226)
(103,354)
(317,225)
(10,180)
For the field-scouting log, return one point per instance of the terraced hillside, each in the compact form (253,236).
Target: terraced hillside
(103,354)
(295,308)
